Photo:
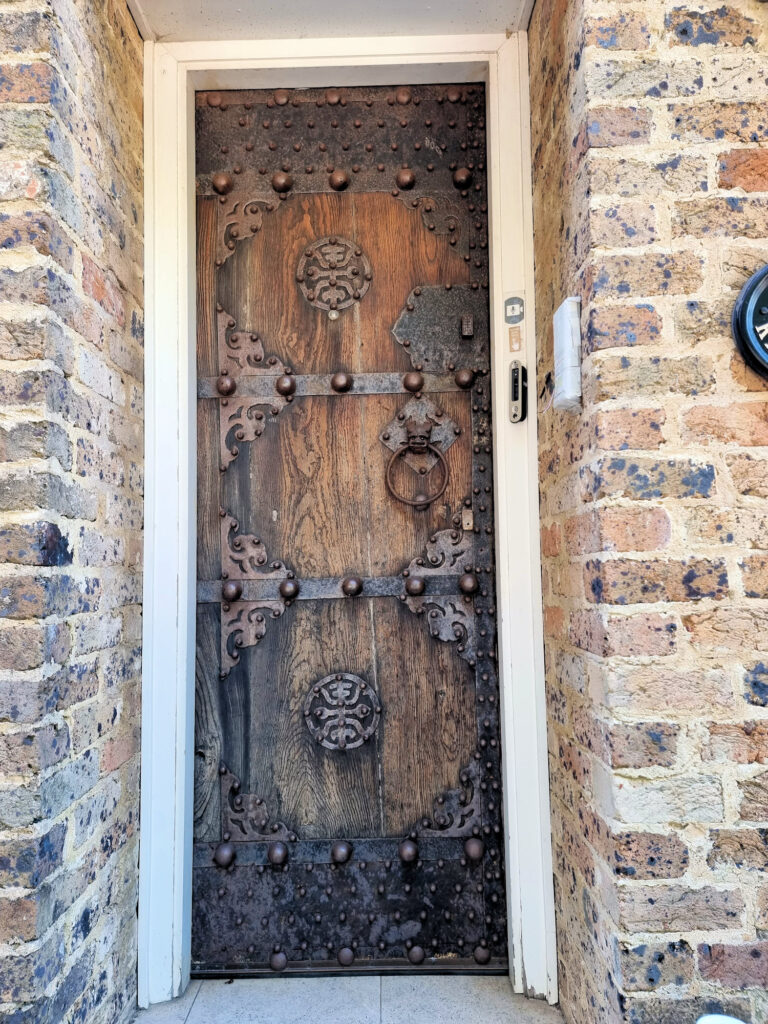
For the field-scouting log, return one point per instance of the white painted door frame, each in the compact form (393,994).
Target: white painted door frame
(173,72)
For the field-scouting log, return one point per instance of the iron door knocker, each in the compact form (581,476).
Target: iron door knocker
(419,433)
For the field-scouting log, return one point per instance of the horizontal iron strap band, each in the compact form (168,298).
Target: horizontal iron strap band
(263,385)
(209,591)
(318,851)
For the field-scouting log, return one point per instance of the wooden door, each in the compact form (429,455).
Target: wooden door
(348,784)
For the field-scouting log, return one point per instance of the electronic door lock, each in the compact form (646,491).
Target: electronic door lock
(518,392)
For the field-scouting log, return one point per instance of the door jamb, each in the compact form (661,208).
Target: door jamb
(173,72)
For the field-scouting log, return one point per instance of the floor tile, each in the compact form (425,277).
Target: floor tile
(460,999)
(174,1012)
(289,1001)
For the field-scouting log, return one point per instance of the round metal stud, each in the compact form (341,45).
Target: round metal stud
(224,855)
(289,589)
(468,583)
(341,851)
(482,955)
(341,381)
(464,378)
(281,97)
(415,586)
(408,851)
(232,590)
(285,385)
(214,99)
(282,181)
(222,182)
(405,178)
(278,961)
(413,381)
(416,955)
(454,94)
(403,96)
(277,853)
(351,586)
(332,97)
(346,956)
(338,180)
(462,177)
(226,385)
(474,848)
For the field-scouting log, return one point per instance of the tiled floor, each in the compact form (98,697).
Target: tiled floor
(363,1000)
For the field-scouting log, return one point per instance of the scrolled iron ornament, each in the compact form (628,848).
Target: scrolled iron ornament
(342,711)
(333,273)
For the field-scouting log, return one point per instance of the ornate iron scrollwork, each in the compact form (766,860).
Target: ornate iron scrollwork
(241,354)
(238,219)
(342,711)
(333,274)
(455,811)
(244,816)
(450,619)
(244,623)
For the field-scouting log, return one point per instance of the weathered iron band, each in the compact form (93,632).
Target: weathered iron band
(318,851)
(263,385)
(209,591)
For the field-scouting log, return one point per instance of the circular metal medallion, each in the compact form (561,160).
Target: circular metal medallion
(342,711)
(333,273)
(750,322)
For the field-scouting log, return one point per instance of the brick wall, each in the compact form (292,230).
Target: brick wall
(70,508)
(650,131)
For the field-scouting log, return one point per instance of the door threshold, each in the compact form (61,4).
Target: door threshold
(382,968)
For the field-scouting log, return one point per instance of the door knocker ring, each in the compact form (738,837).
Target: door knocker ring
(419,434)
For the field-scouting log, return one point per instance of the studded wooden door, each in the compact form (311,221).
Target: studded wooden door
(347,784)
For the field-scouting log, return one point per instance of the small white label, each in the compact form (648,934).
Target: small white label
(467,519)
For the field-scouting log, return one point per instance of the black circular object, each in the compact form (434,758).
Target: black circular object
(232,590)
(408,851)
(341,851)
(277,853)
(482,954)
(750,322)
(351,586)
(224,855)
(474,848)
(289,589)
(278,961)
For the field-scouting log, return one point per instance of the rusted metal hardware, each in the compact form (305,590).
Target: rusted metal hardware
(458,812)
(333,274)
(342,711)
(257,152)
(341,382)
(341,851)
(418,437)
(449,553)
(418,443)
(330,588)
(262,386)
(434,324)
(242,417)
(245,817)
(426,913)
(352,586)
(408,851)
(244,622)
